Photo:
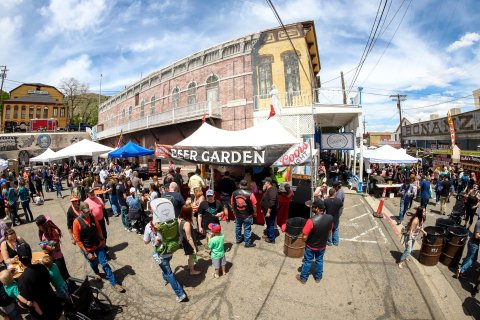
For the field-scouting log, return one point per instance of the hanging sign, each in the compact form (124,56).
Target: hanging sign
(337,141)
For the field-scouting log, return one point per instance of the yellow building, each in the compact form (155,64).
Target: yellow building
(33,101)
(287,75)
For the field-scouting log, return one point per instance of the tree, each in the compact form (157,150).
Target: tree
(73,91)
(4,96)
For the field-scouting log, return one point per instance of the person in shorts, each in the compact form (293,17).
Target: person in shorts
(216,245)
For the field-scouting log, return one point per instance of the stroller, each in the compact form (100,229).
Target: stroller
(86,302)
(138,219)
(458,209)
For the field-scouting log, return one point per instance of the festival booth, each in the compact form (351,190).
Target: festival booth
(85,148)
(260,145)
(131,149)
(3,165)
(44,157)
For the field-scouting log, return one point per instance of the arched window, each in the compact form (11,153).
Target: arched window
(142,109)
(265,75)
(23,114)
(45,112)
(292,75)
(175,97)
(30,113)
(15,112)
(192,93)
(152,106)
(7,112)
(130,111)
(39,112)
(212,88)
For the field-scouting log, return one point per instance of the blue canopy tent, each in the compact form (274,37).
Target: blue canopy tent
(130,150)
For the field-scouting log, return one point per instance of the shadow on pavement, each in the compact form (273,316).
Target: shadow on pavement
(396,255)
(121,274)
(183,274)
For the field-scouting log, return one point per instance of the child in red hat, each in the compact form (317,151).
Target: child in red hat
(215,244)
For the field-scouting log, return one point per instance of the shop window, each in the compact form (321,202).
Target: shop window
(175,98)
(192,93)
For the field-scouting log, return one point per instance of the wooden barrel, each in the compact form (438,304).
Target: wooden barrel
(431,246)
(293,247)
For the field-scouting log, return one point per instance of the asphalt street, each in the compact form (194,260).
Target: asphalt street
(361,279)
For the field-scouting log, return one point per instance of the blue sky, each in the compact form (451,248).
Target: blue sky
(433,57)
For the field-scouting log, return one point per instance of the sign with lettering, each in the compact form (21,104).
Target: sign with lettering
(37,92)
(337,141)
(298,154)
(467,122)
(247,156)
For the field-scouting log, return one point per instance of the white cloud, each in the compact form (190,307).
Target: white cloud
(9,27)
(79,68)
(466,40)
(65,15)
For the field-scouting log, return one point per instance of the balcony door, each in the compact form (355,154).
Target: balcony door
(212,91)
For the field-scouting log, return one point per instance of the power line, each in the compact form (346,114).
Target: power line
(440,103)
(277,16)
(393,36)
(370,43)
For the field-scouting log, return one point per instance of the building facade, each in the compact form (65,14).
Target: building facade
(232,84)
(33,101)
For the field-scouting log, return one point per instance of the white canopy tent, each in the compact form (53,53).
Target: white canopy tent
(44,157)
(388,154)
(3,165)
(83,148)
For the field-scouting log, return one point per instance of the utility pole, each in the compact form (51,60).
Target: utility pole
(3,75)
(399,98)
(343,88)
(364,123)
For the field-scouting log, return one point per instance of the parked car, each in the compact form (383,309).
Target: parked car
(76,127)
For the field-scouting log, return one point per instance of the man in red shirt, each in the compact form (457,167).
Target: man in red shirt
(315,233)
(97,207)
(89,238)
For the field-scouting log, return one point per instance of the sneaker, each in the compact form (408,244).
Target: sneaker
(318,280)
(458,273)
(119,288)
(329,244)
(251,245)
(181,298)
(238,242)
(300,279)
(133,229)
(269,241)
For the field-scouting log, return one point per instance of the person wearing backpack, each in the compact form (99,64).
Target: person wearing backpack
(406,196)
(175,197)
(244,206)
(163,235)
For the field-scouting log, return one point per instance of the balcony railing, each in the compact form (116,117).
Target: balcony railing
(295,99)
(211,109)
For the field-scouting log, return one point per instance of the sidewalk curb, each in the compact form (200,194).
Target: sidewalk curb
(432,303)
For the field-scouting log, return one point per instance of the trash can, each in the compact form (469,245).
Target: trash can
(444,223)
(431,246)
(455,242)
(294,246)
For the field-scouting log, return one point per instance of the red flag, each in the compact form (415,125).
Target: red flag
(204,119)
(272,112)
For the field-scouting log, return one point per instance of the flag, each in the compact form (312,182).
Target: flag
(272,112)
(452,128)
(120,139)
(204,118)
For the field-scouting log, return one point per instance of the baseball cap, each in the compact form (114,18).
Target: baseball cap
(74,197)
(24,251)
(267,179)
(132,189)
(215,227)
(84,207)
(210,192)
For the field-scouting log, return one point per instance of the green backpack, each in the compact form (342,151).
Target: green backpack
(170,237)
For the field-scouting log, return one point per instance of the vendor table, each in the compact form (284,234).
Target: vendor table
(18,268)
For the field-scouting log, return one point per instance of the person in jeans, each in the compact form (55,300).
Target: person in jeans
(315,233)
(414,227)
(12,198)
(122,202)
(244,206)
(89,238)
(112,192)
(406,196)
(333,207)
(151,236)
(24,196)
(444,194)
(472,252)
(269,205)
(424,191)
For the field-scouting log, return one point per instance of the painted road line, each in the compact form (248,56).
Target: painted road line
(360,241)
(360,216)
(355,205)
